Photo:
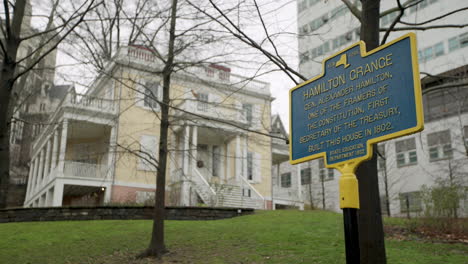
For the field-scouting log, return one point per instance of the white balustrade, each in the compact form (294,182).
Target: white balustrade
(84,170)
(212,110)
(85,101)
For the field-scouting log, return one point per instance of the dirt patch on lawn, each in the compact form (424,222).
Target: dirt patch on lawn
(431,230)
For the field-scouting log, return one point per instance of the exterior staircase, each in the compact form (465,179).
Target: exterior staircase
(235,194)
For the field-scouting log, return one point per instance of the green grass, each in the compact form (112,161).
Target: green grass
(267,237)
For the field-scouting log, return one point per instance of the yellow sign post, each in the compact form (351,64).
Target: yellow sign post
(361,98)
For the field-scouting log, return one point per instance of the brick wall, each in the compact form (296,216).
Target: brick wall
(117,213)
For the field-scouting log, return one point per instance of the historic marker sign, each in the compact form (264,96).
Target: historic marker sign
(361,98)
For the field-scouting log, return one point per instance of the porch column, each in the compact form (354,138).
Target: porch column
(54,150)
(30,176)
(47,160)
(186,152)
(63,148)
(49,196)
(111,153)
(35,173)
(173,159)
(238,158)
(180,150)
(244,158)
(228,162)
(107,193)
(194,147)
(58,193)
(185,187)
(40,173)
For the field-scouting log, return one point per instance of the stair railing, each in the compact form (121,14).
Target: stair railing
(257,194)
(200,182)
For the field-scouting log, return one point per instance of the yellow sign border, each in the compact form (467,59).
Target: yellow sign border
(417,96)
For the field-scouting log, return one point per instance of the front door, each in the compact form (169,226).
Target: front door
(203,161)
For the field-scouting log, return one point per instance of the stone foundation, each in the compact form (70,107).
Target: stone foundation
(117,213)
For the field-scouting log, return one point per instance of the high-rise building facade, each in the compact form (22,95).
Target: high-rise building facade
(409,166)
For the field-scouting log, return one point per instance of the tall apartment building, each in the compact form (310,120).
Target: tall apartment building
(102,147)
(408,164)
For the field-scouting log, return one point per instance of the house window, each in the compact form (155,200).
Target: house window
(246,192)
(216,157)
(248,112)
(465,132)
(324,173)
(431,52)
(19,131)
(306,176)
(439,49)
(410,201)
(459,41)
(148,153)
(150,98)
(224,75)
(381,162)
(249,166)
(301,6)
(286,180)
(202,104)
(440,145)
(209,72)
(304,57)
(145,197)
(406,152)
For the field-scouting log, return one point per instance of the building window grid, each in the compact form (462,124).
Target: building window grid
(151,95)
(465,133)
(306,176)
(330,45)
(247,108)
(286,180)
(410,201)
(249,166)
(325,173)
(421,5)
(381,162)
(202,103)
(431,52)
(406,152)
(440,145)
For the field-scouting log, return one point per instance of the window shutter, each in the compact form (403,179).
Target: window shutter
(257,168)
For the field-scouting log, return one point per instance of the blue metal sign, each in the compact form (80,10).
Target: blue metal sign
(360,99)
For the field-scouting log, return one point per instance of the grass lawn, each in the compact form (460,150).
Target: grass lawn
(266,237)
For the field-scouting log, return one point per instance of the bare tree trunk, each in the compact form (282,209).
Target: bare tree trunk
(157,247)
(7,80)
(387,195)
(407,206)
(371,234)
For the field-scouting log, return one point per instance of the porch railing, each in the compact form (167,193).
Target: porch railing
(255,195)
(204,189)
(212,110)
(85,170)
(81,100)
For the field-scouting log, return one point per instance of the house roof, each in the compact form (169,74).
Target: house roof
(59,91)
(277,126)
